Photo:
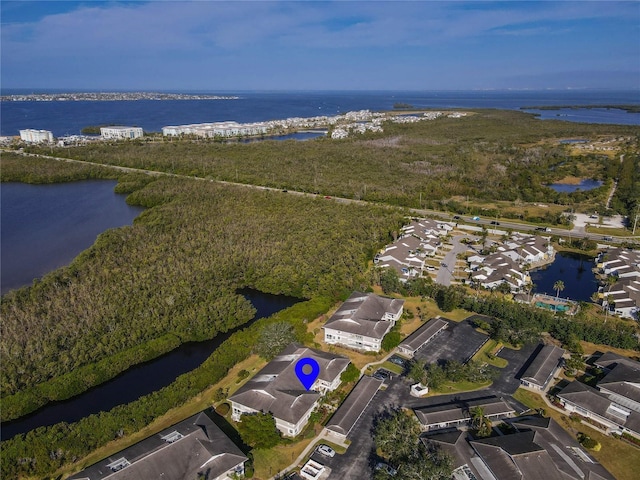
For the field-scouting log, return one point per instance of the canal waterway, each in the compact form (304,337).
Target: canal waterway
(144,378)
(44,227)
(574,270)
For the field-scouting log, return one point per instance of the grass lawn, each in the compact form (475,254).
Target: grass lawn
(620,458)
(457,387)
(590,348)
(617,232)
(487,354)
(267,463)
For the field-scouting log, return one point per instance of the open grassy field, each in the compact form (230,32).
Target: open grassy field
(620,458)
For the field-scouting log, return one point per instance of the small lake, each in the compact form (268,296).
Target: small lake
(574,270)
(44,227)
(144,378)
(584,185)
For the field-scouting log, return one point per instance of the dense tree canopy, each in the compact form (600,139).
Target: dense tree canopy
(173,277)
(397,438)
(259,430)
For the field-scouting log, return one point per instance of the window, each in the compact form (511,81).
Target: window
(119,464)
(172,437)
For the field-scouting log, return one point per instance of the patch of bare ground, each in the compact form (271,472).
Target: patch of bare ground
(384,142)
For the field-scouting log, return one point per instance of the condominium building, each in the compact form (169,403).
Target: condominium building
(36,136)
(121,133)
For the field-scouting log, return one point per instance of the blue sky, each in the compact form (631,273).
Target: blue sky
(357,45)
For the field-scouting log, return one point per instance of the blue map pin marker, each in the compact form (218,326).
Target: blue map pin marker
(307,379)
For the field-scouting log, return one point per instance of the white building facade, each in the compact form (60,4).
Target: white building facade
(121,133)
(36,136)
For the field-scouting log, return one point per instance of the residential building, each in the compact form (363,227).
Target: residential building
(362,321)
(419,240)
(36,136)
(422,336)
(547,359)
(344,419)
(599,409)
(120,133)
(620,262)
(458,412)
(615,402)
(537,448)
(497,269)
(276,388)
(623,297)
(185,451)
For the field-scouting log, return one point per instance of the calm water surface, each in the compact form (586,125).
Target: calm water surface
(574,270)
(44,227)
(69,118)
(584,185)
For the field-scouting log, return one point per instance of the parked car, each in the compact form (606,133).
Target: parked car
(382,374)
(398,361)
(386,468)
(326,450)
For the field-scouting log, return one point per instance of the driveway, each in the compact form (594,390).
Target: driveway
(358,461)
(445,274)
(509,379)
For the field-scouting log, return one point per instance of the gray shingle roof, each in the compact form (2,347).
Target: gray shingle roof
(423,334)
(277,389)
(202,447)
(348,413)
(544,365)
(610,359)
(622,380)
(362,314)
(459,410)
(598,403)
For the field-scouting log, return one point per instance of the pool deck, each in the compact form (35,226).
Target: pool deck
(555,302)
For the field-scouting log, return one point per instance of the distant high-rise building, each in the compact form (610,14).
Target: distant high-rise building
(36,136)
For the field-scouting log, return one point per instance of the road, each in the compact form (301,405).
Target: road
(445,274)
(522,227)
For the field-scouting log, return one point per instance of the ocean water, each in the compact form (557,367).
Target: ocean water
(69,117)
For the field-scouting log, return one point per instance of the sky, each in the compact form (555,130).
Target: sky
(306,45)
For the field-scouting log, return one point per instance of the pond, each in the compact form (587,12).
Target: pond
(584,185)
(574,270)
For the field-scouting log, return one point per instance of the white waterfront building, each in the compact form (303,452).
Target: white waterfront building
(36,136)
(120,133)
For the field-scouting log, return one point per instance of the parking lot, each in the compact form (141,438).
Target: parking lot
(458,342)
(359,459)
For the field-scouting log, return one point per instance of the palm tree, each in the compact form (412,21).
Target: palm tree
(558,287)
(477,417)
(595,298)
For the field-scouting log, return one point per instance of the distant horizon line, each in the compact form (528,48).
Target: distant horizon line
(36,90)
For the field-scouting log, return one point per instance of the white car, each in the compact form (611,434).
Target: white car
(326,450)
